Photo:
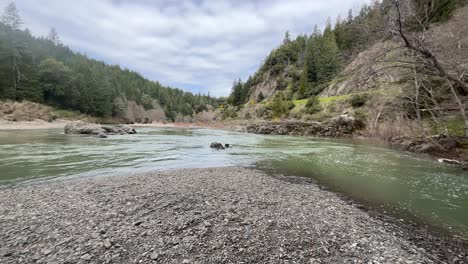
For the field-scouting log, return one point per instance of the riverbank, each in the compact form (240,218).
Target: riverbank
(35,124)
(216,215)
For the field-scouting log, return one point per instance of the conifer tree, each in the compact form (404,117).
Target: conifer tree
(303,83)
(11,17)
(53,36)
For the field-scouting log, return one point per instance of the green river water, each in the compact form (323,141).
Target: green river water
(404,185)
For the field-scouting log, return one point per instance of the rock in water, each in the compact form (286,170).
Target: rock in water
(101,135)
(98,130)
(217,146)
(227,146)
(83,128)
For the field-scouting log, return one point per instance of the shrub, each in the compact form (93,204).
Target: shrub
(229,112)
(279,105)
(260,97)
(313,105)
(358,100)
(360,115)
(261,111)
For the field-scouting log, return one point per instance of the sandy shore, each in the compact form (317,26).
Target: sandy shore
(36,124)
(222,215)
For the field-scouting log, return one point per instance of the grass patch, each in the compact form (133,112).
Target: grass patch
(66,114)
(300,102)
(332,99)
(456,126)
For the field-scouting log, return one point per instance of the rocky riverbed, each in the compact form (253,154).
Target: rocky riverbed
(221,215)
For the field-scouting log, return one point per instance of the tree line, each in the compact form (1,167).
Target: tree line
(43,70)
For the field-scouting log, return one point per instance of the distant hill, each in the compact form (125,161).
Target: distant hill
(43,70)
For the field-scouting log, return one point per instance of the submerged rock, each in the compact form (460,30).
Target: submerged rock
(449,161)
(216,145)
(83,128)
(101,135)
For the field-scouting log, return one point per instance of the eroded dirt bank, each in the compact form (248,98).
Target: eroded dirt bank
(222,215)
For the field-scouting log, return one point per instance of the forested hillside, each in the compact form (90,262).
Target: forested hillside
(44,70)
(394,59)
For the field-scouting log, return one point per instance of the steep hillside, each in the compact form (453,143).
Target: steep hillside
(366,73)
(401,67)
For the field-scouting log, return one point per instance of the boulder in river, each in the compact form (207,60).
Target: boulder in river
(217,145)
(101,135)
(83,128)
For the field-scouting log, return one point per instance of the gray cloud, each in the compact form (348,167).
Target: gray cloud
(197,45)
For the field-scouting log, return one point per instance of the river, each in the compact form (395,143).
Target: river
(401,184)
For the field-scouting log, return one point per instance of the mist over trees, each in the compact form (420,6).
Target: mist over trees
(43,70)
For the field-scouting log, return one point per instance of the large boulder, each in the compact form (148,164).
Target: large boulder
(84,128)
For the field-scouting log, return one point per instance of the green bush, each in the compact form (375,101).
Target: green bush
(229,112)
(358,100)
(313,105)
(279,105)
(360,115)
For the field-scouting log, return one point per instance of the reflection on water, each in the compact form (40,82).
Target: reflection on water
(412,186)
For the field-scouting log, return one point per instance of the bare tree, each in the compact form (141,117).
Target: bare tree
(421,44)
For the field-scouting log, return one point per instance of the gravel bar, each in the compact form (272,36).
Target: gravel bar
(216,215)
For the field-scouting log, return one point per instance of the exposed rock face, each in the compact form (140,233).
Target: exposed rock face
(341,126)
(84,128)
(430,145)
(362,76)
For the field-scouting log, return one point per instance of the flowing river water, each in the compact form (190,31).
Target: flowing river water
(404,185)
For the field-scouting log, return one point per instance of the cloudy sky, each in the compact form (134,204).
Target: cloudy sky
(196,45)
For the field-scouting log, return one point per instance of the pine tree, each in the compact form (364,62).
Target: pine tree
(15,51)
(11,17)
(287,38)
(329,62)
(312,54)
(303,83)
(53,36)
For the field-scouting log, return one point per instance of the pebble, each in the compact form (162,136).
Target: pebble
(107,244)
(154,256)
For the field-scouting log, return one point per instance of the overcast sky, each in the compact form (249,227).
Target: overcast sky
(196,45)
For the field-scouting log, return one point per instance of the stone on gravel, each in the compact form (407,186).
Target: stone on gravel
(154,256)
(107,243)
